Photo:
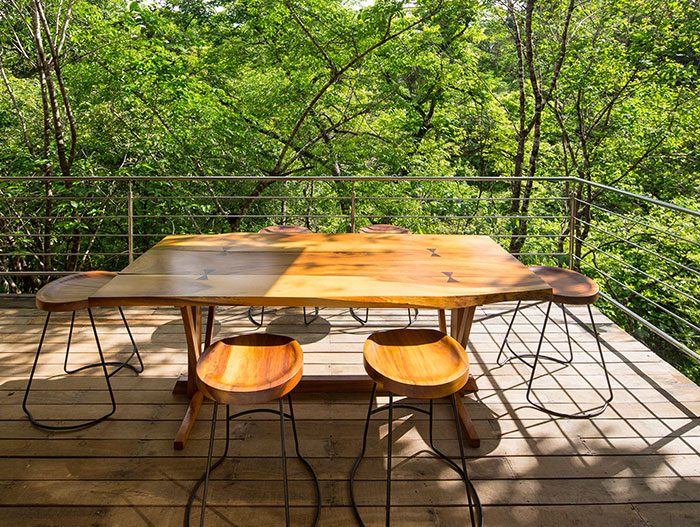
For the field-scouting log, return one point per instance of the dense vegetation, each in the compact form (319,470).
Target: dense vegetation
(273,90)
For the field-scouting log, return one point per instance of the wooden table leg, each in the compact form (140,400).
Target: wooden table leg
(468,429)
(188,421)
(460,327)
(192,320)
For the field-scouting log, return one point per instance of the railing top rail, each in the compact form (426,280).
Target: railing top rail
(641,197)
(353,179)
(282,178)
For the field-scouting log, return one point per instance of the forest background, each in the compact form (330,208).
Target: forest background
(201,115)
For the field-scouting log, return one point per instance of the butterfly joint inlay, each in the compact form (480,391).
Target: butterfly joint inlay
(205,276)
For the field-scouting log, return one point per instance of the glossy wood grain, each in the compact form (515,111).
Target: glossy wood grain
(327,270)
(71,293)
(422,363)
(383,228)
(568,287)
(247,369)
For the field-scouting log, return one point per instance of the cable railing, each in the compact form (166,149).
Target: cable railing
(643,252)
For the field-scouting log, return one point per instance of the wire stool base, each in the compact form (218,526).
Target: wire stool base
(538,356)
(475,507)
(102,364)
(204,479)
(251,316)
(411,317)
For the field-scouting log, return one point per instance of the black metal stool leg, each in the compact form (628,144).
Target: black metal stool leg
(609,399)
(361,456)
(251,316)
(473,497)
(522,356)
(119,364)
(135,348)
(31,374)
(229,418)
(193,493)
(412,318)
(388,460)
(284,464)
(104,369)
(465,475)
(303,460)
(505,340)
(582,414)
(537,357)
(357,317)
(313,317)
(70,338)
(568,335)
(206,474)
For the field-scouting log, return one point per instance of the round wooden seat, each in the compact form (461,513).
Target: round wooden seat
(383,228)
(248,369)
(71,293)
(568,287)
(284,229)
(422,363)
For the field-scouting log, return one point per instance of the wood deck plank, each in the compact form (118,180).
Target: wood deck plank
(638,464)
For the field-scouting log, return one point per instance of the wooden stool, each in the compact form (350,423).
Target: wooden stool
(284,229)
(568,288)
(382,228)
(424,364)
(251,369)
(71,293)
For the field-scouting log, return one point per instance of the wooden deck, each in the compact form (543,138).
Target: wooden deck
(637,464)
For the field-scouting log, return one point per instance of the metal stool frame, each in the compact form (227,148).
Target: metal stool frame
(472,496)
(411,318)
(583,414)
(251,316)
(205,477)
(103,364)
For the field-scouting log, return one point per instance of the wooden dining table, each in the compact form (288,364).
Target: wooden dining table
(442,272)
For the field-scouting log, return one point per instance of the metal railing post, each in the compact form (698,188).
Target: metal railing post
(352,208)
(572,225)
(130,221)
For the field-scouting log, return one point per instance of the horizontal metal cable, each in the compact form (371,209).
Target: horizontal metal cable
(638,222)
(63,198)
(124,252)
(661,333)
(539,254)
(349,179)
(283,198)
(655,279)
(661,256)
(60,235)
(641,197)
(646,299)
(299,215)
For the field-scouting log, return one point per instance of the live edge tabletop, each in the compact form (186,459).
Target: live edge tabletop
(327,270)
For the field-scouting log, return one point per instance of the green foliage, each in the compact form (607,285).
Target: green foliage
(250,89)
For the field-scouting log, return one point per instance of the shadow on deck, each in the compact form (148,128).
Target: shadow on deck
(637,464)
